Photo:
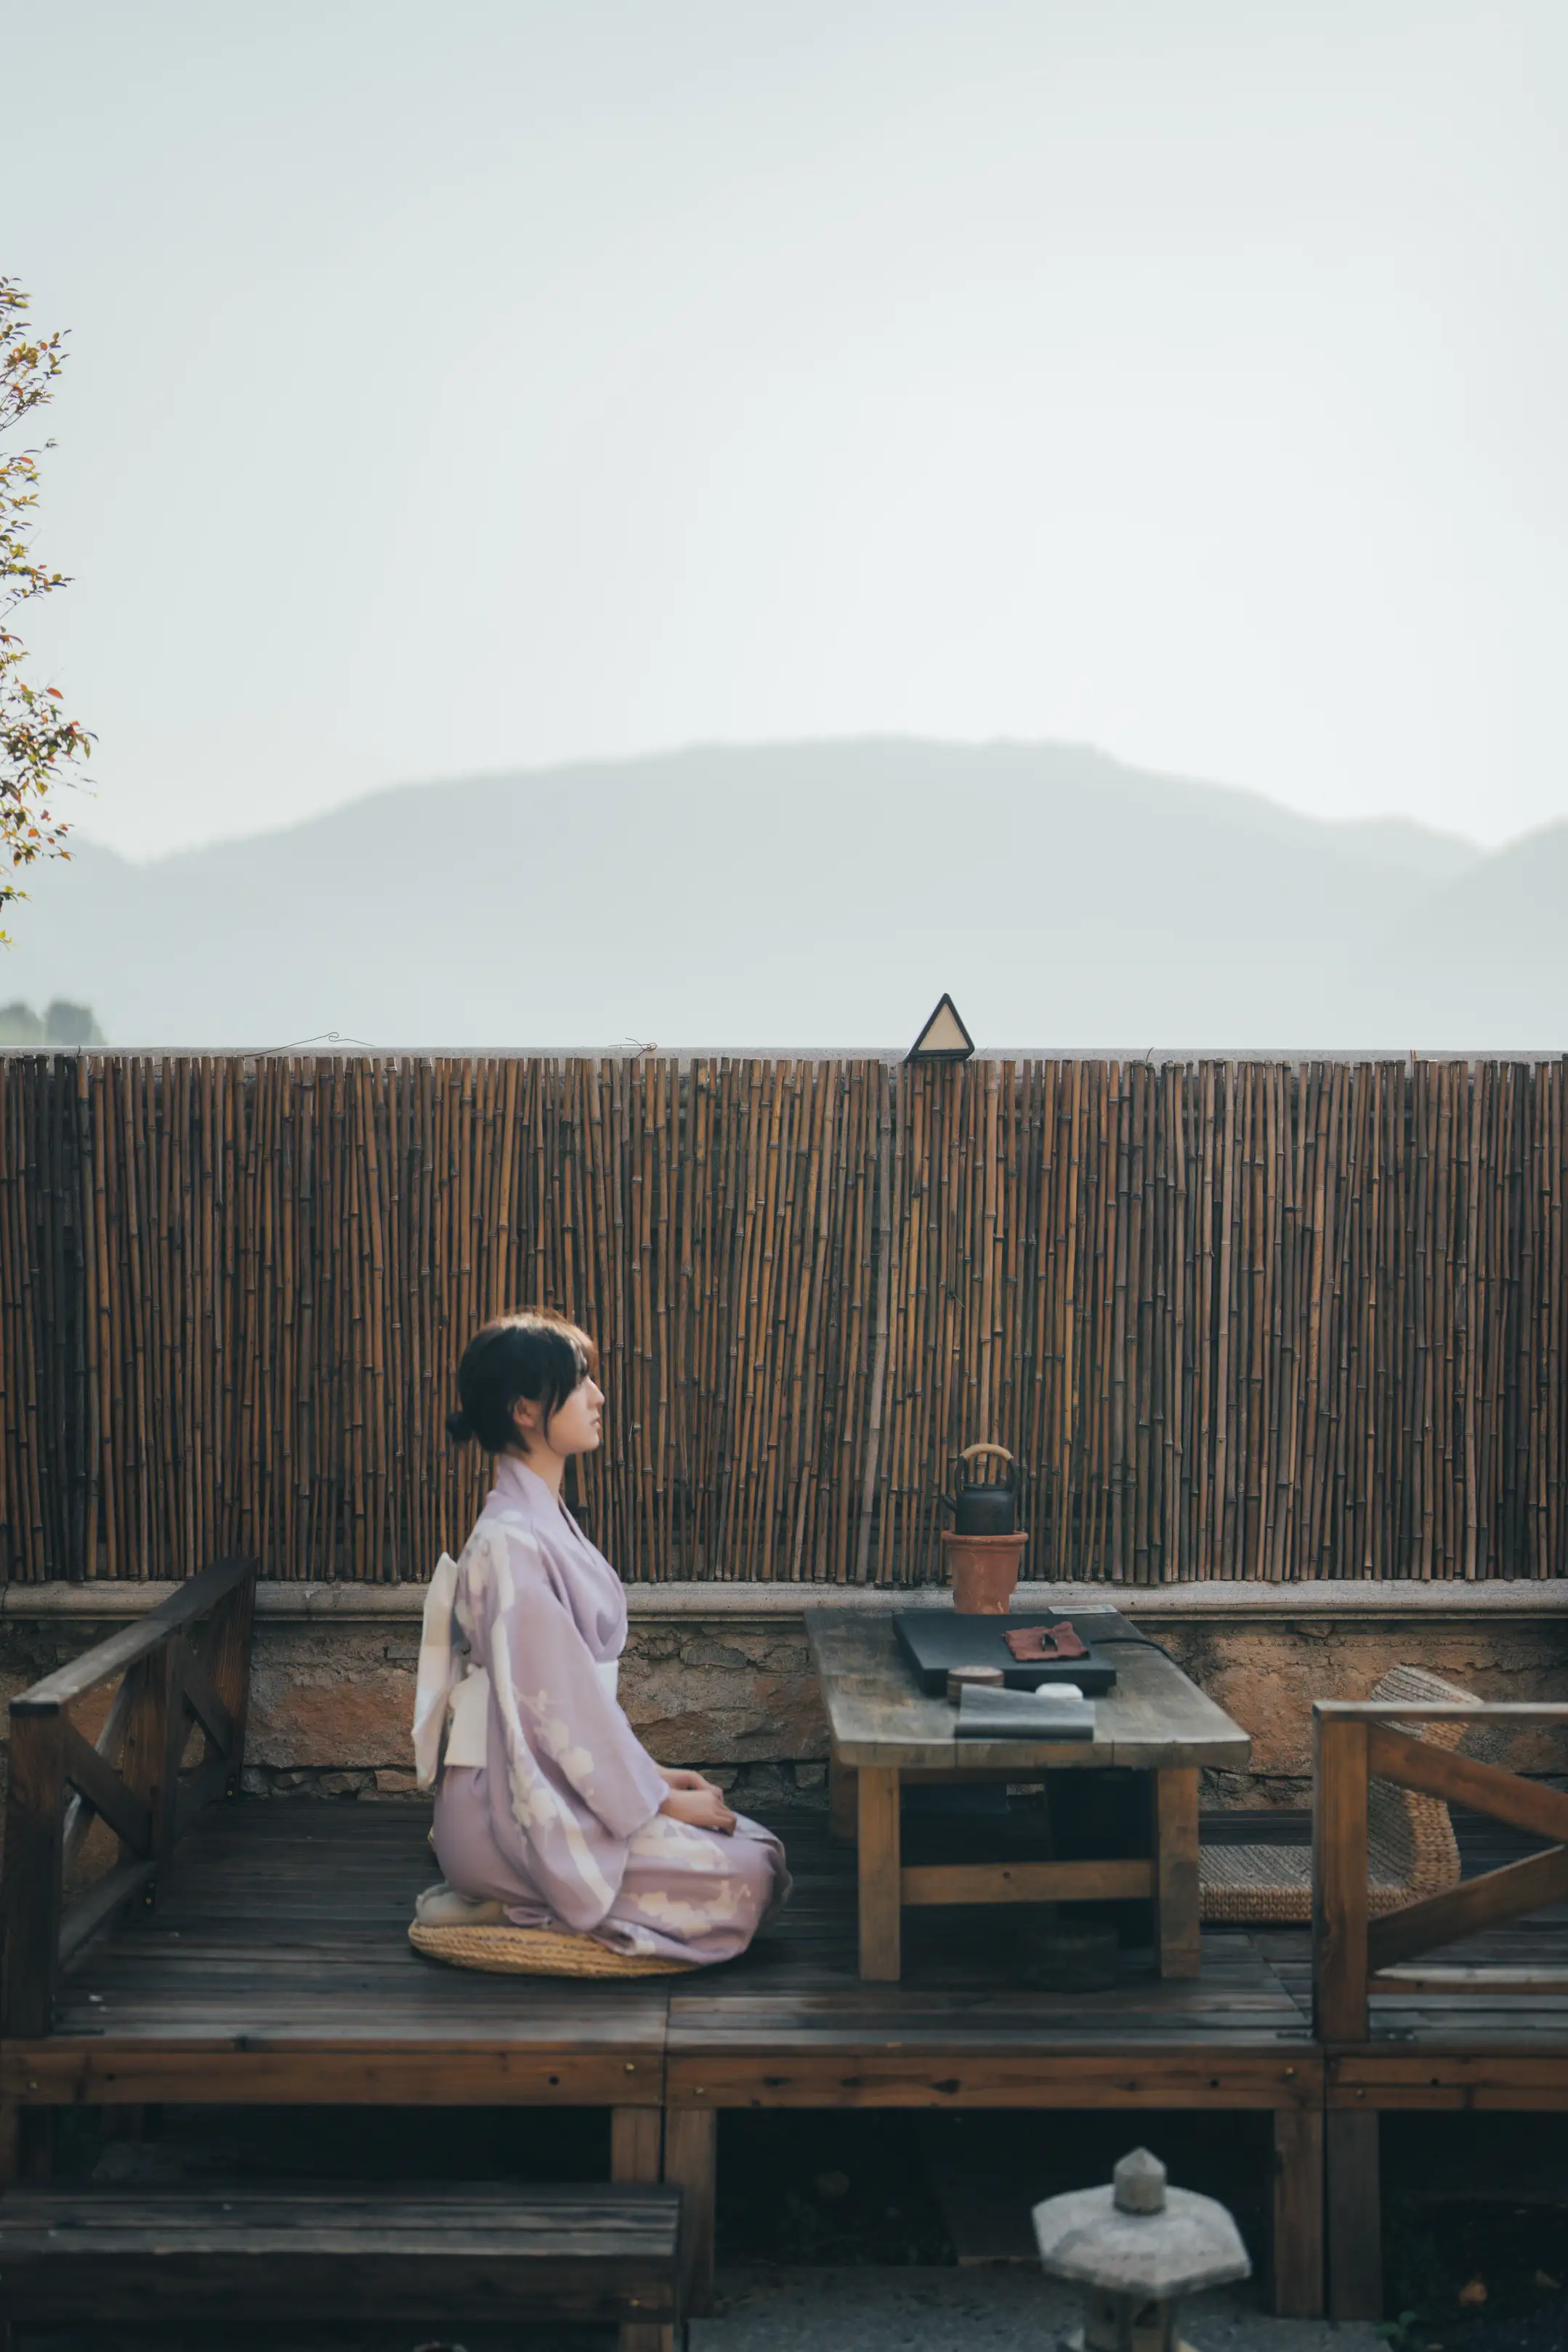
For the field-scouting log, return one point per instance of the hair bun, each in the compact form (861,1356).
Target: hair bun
(459,1428)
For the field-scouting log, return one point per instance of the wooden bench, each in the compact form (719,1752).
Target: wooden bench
(415,2258)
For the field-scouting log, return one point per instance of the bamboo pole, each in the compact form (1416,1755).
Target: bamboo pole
(1237,1319)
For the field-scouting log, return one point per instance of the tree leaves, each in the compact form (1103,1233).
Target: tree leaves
(39,744)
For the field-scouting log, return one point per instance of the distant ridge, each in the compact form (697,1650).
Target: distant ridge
(817,894)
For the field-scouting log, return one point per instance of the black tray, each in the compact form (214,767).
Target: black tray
(936,1640)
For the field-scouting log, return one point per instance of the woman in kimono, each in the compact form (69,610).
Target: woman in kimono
(549,1811)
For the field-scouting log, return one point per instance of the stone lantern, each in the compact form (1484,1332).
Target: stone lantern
(1138,2247)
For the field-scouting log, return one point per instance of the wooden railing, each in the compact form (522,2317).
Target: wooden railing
(1354,1955)
(187,1664)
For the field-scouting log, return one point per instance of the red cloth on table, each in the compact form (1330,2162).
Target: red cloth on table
(1031,1644)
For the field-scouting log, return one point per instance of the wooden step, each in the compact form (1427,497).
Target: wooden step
(429,2254)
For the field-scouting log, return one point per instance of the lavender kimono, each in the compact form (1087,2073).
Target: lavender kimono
(546,1802)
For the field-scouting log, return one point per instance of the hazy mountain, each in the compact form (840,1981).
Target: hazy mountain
(816,895)
(1492,946)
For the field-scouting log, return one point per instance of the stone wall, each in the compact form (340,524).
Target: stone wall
(721,1676)
(331,1704)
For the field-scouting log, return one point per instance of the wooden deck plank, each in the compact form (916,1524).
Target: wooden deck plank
(278,1970)
(794,2024)
(1506,2079)
(143,2069)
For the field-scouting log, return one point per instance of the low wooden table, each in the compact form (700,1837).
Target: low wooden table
(885,1730)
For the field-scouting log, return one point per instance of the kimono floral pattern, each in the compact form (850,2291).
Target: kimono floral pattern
(553,1810)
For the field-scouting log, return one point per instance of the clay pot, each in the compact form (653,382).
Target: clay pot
(985,1571)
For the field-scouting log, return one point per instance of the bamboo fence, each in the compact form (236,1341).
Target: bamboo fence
(1251,1320)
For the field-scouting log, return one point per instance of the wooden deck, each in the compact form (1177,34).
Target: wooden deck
(276,1969)
(278,1960)
(793,2023)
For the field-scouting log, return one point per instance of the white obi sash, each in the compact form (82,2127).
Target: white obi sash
(452,1695)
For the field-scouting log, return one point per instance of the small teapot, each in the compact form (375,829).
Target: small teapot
(985,1509)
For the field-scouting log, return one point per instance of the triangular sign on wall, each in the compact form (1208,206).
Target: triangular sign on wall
(944,1037)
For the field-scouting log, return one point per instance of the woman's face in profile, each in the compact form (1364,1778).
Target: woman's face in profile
(574,1425)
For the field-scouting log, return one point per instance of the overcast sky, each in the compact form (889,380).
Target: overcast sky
(474,386)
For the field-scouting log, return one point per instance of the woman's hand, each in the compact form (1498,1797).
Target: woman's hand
(700,1804)
(694,1800)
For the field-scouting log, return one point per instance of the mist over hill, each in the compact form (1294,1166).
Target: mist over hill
(819,894)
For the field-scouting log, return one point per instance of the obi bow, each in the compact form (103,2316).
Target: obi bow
(452,1694)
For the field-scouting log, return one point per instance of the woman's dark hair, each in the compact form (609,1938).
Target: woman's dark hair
(537,1355)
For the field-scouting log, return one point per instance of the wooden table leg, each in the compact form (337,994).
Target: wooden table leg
(1299,2212)
(877,1870)
(691,2148)
(637,2153)
(1176,1870)
(1355,2215)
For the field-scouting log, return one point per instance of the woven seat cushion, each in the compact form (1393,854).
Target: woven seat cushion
(1411,1848)
(535,1952)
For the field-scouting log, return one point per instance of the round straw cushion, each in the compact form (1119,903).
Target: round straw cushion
(536,1952)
